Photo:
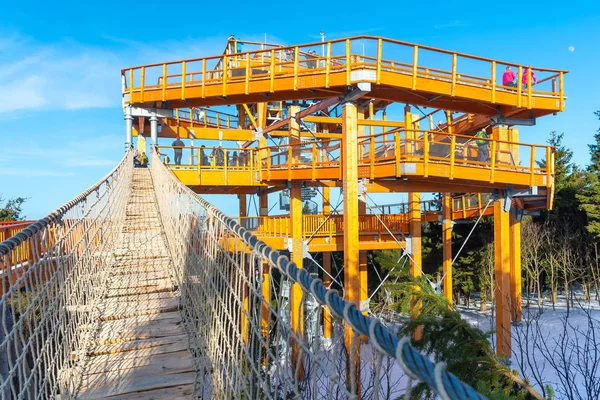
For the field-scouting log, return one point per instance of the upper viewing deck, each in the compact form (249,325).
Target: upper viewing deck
(398,72)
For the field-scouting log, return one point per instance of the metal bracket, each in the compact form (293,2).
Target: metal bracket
(149,112)
(361,90)
(362,189)
(502,120)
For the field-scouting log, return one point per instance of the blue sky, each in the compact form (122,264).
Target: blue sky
(62,128)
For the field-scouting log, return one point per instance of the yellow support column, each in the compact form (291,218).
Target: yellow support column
(362,210)
(515,267)
(245,325)
(352,289)
(362,262)
(327,321)
(414,225)
(296,304)
(502,261)
(263,202)
(447,246)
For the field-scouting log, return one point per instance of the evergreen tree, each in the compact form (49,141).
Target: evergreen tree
(589,195)
(11,210)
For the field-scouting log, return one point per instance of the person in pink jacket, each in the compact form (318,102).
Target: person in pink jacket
(524,78)
(508,78)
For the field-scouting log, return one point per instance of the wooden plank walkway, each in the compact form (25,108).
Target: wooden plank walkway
(140,350)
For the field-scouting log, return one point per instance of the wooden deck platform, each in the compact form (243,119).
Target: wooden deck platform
(140,350)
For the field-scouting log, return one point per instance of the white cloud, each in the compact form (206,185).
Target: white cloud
(69,75)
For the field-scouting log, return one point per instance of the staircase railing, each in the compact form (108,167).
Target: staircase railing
(49,292)
(254,317)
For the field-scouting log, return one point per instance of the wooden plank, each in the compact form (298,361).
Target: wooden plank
(139,298)
(148,346)
(171,393)
(120,310)
(150,365)
(116,384)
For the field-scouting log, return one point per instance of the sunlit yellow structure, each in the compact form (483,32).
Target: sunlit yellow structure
(319,115)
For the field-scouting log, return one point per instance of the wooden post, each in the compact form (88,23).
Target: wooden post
(447,246)
(362,262)
(263,210)
(351,257)
(414,227)
(515,267)
(297,306)
(327,320)
(502,261)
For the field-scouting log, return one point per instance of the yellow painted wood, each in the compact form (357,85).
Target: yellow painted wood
(502,279)
(183,80)
(447,246)
(351,213)
(515,268)
(414,221)
(327,317)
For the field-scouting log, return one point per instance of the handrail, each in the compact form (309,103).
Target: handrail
(227,64)
(354,38)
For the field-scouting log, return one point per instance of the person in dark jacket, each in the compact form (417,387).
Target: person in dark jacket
(178,144)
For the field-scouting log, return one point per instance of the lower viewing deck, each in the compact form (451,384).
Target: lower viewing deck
(140,349)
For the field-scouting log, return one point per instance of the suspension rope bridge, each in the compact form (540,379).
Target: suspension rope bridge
(138,287)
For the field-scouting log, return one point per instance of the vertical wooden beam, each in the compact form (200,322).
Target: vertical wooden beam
(515,267)
(447,246)
(362,262)
(327,320)
(414,227)
(294,133)
(502,262)
(263,210)
(296,303)
(243,205)
(351,257)
(297,306)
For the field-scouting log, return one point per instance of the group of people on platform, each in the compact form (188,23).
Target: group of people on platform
(510,79)
(220,156)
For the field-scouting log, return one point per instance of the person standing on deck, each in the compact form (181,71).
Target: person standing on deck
(524,78)
(483,152)
(508,78)
(178,144)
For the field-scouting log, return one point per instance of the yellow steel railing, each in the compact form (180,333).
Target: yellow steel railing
(368,53)
(426,148)
(389,154)
(206,117)
(319,225)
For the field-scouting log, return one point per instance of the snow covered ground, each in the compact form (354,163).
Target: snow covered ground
(552,350)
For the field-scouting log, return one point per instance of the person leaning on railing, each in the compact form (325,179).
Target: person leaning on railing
(483,150)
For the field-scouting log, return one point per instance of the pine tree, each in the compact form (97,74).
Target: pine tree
(11,211)
(449,338)
(589,196)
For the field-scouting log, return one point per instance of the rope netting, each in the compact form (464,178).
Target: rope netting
(258,323)
(50,281)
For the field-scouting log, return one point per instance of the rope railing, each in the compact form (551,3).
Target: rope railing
(252,337)
(48,293)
